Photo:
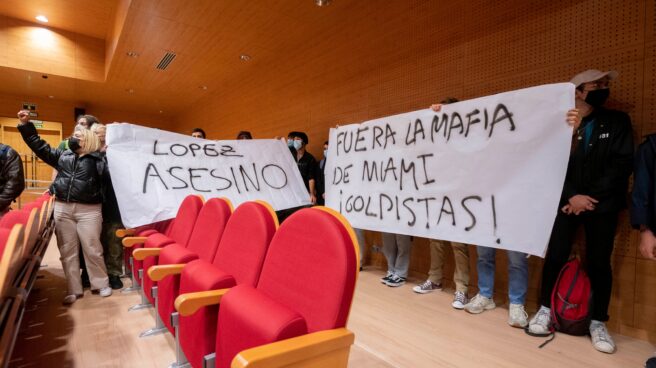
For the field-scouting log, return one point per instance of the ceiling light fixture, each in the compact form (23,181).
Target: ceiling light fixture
(322,2)
(245,57)
(132,54)
(42,18)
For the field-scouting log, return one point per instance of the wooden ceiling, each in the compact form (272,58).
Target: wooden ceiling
(208,37)
(90,18)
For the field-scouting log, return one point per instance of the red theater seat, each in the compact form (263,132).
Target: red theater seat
(202,244)
(178,231)
(238,261)
(301,302)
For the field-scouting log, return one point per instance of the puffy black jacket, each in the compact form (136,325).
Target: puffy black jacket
(602,171)
(79,179)
(12,181)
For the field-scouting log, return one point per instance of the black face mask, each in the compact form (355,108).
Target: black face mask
(74,144)
(597,97)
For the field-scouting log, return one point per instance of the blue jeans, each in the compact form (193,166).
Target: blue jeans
(517,274)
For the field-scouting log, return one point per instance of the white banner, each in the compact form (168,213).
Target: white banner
(487,171)
(154,170)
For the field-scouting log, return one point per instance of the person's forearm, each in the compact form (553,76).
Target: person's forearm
(311,185)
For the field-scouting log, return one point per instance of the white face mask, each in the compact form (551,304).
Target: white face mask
(298,145)
(325,153)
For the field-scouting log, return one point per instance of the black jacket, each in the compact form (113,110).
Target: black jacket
(79,179)
(602,171)
(110,210)
(643,207)
(12,181)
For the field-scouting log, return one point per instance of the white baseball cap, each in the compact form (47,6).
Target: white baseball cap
(592,75)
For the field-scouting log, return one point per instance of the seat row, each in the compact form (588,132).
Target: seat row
(236,289)
(24,237)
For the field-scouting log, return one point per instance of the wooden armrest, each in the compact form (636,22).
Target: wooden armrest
(320,349)
(132,240)
(188,304)
(143,253)
(122,233)
(157,273)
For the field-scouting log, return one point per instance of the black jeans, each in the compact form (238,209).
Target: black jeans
(599,239)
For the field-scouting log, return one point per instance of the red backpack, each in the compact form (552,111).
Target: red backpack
(571,300)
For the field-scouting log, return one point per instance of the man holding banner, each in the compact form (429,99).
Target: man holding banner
(487,172)
(595,189)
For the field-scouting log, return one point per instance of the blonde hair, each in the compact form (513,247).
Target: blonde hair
(96,127)
(89,142)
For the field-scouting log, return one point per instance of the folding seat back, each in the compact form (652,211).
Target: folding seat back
(29,220)
(238,260)
(183,224)
(11,240)
(306,285)
(43,216)
(180,231)
(209,228)
(245,241)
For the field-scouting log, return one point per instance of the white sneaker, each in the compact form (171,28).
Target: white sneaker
(601,339)
(459,300)
(105,292)
(426,287)
(540,324)
(517,316)
(479,304)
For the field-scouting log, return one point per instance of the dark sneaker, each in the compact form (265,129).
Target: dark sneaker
(426,287)
(115,282)
(395,281)
(386,278)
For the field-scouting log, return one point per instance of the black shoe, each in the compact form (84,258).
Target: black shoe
(115,282)
(85,279)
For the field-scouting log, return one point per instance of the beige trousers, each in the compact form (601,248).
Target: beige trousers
(461,255)
(77,223)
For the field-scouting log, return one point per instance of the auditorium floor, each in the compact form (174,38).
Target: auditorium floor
(393,328)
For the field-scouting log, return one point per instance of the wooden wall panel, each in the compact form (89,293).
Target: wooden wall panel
(62,111)
(404,56)
(29,46)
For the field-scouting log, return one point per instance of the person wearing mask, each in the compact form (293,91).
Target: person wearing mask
(438,249)
(112,246)
(594,193)
(198,133)
(78,192)
(87,122)
(12,180)
(244,134)
(307,164)
(517,273)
